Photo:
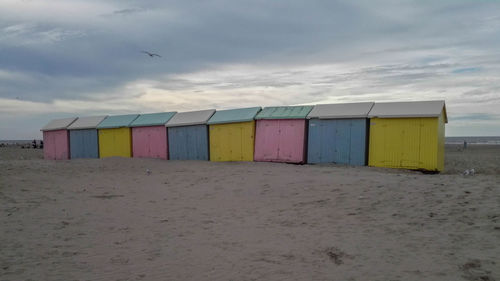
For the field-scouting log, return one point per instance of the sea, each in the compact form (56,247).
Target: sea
(472,140)
(17,142)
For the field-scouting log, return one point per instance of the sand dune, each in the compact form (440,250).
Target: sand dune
(108,219)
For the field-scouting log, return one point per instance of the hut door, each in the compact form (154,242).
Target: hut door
(247,135)
(156,142)
(343,141)
(328,140)
(291,140)
(410,140)
(196,142)
(315,141)
(267,140)
(61,144)
(49,148)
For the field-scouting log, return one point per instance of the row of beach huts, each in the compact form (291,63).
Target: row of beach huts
(407,135)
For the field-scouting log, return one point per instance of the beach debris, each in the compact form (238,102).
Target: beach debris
(148,172)
(336,255)
(469,172)
(107,196)
(473,270)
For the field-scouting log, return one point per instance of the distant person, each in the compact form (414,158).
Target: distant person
(465,144)
(41,143)
(33,143)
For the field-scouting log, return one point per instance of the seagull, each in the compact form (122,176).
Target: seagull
(151,54)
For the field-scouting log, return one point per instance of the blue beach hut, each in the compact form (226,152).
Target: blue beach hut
(338,133)
(83,137)
(187,134)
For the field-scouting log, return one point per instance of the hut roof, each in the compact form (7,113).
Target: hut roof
(117,121)
(341,110)
(409,109)
(190,118)
(59,124)
(89,122)
(284,112)
(152,119)
(234,115)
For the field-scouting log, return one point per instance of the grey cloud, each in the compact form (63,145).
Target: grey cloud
(128,11)
(389,47)
(475,117)
(481,92)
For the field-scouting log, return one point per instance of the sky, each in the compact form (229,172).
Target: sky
(64,58)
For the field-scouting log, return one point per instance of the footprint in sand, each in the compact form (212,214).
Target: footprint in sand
(119,260)
(336,255)
(473,271)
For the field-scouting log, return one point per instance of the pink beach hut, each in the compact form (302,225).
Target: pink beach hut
(56,139)
(280,134)
(149,135)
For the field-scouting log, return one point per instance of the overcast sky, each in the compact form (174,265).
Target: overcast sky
(63,58)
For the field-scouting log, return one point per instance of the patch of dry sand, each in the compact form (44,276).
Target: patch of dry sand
(93,219)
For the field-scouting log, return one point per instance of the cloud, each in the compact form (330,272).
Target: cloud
(12,76)
(475,117)
(127,11)
(32,34)
(467,70)
(84,56)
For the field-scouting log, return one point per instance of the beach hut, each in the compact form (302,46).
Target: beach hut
(56,139)
(232,134)
(83,138)
(338,133)
(408,135)
(281,134)
(115,137)
(188,135)
(149,135)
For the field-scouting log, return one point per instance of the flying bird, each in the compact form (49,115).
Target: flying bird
(151,54)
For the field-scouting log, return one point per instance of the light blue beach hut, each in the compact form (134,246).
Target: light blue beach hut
(188,135)
(338,133)
(83,137)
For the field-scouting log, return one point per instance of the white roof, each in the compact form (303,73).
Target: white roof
(190,118)
(408,109)
(340,110)
(59,124)
(90,122)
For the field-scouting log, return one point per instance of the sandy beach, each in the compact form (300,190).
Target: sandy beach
(110,219)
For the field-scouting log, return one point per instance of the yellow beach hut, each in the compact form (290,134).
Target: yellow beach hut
(232,134)
(408,135)
(115,136)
